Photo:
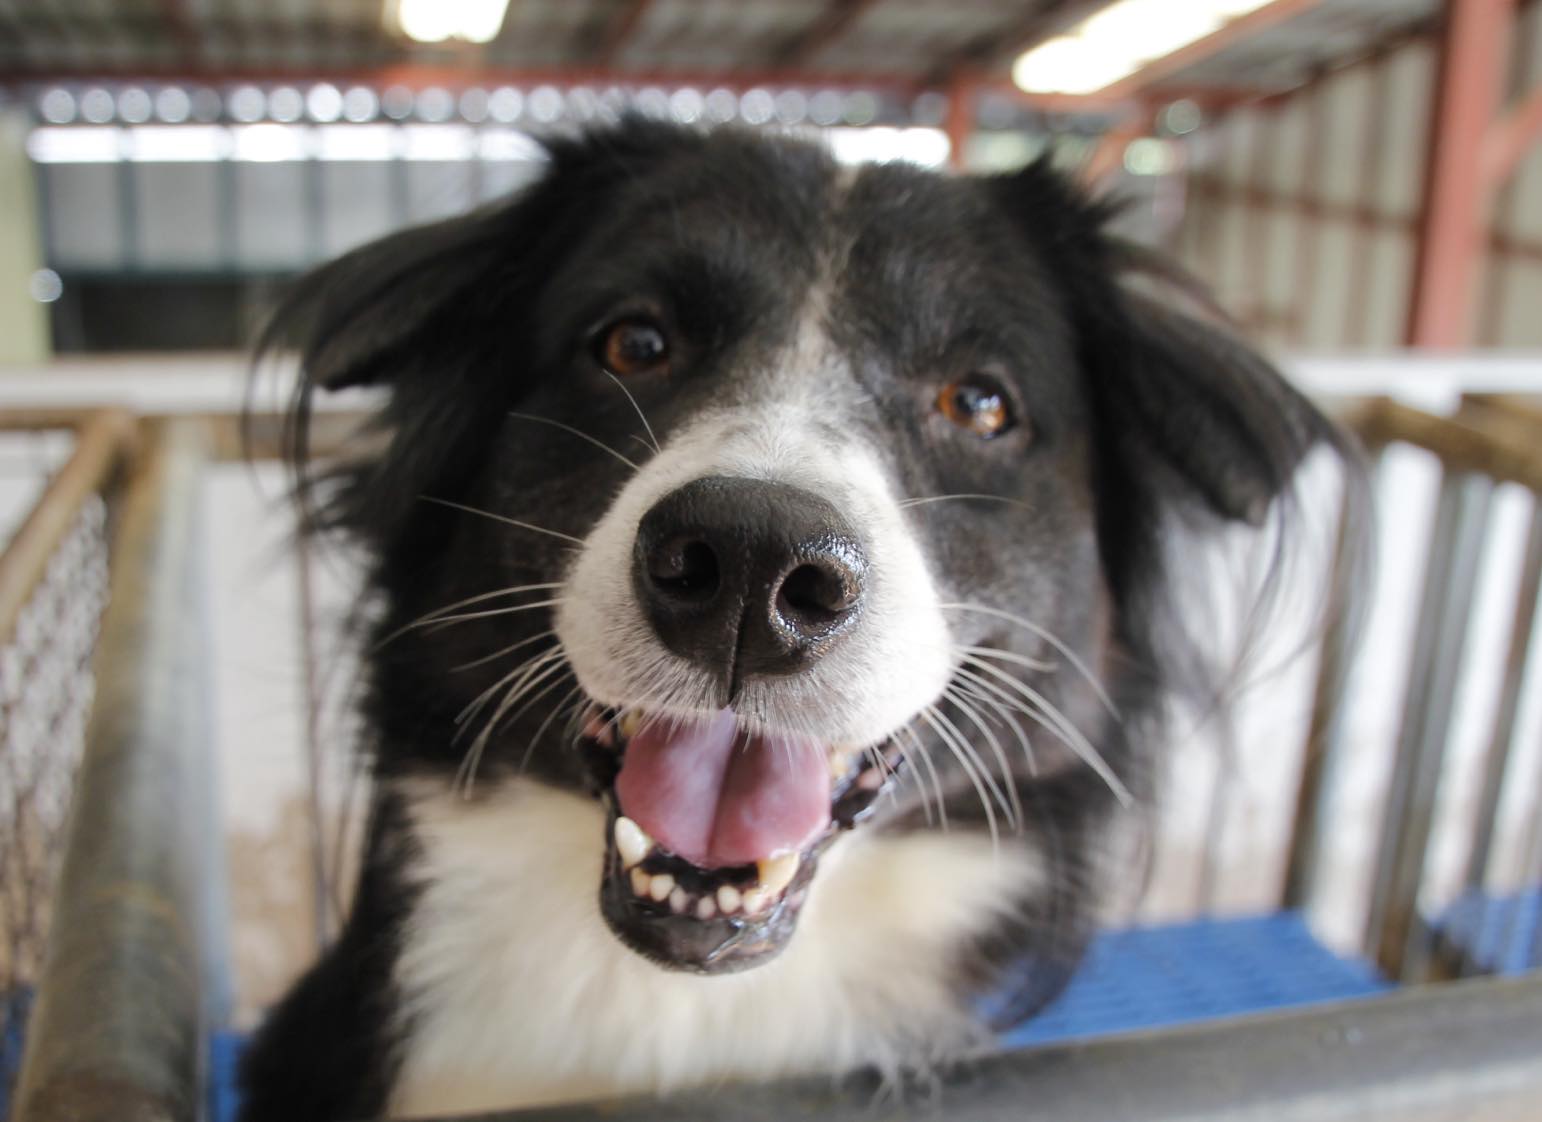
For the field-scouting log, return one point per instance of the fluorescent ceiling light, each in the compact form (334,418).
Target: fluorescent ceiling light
(1118,40)
(434,21)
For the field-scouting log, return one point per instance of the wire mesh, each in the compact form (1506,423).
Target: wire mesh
(46,689)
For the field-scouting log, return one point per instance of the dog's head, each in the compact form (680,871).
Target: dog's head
(767,500)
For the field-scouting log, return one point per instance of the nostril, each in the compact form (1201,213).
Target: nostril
(816,596)
(686,569)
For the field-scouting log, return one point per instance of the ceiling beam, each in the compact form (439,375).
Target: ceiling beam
(1233,32)
(825,29)
(615,35)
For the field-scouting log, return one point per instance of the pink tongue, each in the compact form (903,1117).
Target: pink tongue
(716,796)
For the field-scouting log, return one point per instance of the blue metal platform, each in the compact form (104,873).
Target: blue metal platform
(1137,978)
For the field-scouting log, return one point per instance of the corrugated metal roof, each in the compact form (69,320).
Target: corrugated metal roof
(913,43)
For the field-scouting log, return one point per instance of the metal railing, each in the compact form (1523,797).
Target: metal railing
(134,974)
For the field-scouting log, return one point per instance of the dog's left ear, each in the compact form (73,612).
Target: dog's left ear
(1169,377)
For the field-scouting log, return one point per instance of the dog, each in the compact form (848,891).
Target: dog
(770,615)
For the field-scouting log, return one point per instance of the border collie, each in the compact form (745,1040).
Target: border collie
(770,615)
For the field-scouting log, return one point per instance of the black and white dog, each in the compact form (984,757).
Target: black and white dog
(772,615)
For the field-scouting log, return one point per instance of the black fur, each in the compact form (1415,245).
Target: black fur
(1131,410)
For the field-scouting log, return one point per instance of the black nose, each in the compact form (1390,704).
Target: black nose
(747,577)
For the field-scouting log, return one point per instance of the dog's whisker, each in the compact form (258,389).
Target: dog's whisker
(985,802)
(1004,715)
(511,698)
(529,666)
(968,711)
(641,416)
(978,762)
(925,758)
(600,444)
(501,651)
(1057,723)
(1042,665)
(923,500)
(532,527)
(540,731)
(440,615)
(445,621)
(1050,638)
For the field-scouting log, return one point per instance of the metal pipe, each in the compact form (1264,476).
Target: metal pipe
(125,996)
(1459,1052)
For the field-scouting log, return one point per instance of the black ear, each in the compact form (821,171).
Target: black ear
(1206,403)
(1171,381)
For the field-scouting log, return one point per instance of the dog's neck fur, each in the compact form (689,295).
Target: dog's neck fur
(516,993)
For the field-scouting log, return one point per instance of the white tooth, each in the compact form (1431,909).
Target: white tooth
(728,899)
(631,721)
(756,900)
(662,886)
(776,873)
(840,764)
(640,882)
(631,842)
(678,900)
(706,908)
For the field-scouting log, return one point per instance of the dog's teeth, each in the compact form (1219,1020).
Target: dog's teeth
(640,881)
(662,886)
(678,901)
(631,843)
(756,900)
(630,722)
(776,873)
(870,780)
(840,764)
(706,908)
(728,899)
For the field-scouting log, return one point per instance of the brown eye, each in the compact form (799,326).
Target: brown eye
(978,403)
(632,346)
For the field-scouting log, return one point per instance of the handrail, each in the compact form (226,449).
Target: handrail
(124,999)
(1457,1052)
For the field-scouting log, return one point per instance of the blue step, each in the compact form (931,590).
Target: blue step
(1149,977)
(1498,934)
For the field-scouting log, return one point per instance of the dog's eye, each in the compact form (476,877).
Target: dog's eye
(978,403)
(632,346)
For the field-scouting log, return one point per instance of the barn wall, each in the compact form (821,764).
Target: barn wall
(1301,212)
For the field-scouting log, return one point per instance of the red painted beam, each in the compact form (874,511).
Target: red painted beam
(962,107)
(1474,56)
(1225,36)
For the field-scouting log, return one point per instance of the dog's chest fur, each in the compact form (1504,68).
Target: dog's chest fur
(515,992)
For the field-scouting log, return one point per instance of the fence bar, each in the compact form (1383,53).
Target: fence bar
(100,442)
(1392,930)
(1325,733)
(1497,761)
(1459,1052)
(122,1002)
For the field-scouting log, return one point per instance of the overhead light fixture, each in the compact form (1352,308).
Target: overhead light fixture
(434,21)
(1118,40)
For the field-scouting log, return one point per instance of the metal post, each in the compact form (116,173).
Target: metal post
(125,997)
(1473,60)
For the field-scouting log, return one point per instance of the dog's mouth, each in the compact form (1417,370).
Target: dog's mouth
(715,831)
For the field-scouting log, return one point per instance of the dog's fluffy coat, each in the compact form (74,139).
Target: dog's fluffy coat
(816,319)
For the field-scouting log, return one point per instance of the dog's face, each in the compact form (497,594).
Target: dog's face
(768,500)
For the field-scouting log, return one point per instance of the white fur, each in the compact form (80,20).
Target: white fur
(898,659)
(515,992)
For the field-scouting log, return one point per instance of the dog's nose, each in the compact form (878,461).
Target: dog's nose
(742,576)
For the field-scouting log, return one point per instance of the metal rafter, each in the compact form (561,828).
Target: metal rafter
(615,35)
(1231,33)
(826,28)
